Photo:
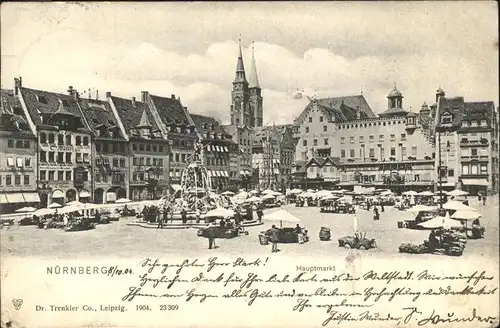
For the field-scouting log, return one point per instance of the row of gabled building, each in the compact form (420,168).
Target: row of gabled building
(64,147)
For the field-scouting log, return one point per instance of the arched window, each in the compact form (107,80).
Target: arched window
(68,140)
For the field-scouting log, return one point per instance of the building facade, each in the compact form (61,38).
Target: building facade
(273,152)
(467,144)
(18,156)
(148,149)
(110,178)
(64,148)
(218,150)
(241,162)
(394,149)
(175,125)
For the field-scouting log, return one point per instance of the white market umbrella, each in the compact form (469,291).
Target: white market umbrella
(422,208)
(281,215)
(69,209)
(426,193)
(268,196)
(252,199)
(441,222)
(254,192)
(323,193)
(457,192)
(75,203)
(457,206)
(341,191)
(220,212)
(295,191)
(276,193)
(54,205)
(26,210)
(227,193)
(44,211)
(386,193)
(267,191)
(410,193)
(307,194)
(466,215)
(123,200)
(330,197)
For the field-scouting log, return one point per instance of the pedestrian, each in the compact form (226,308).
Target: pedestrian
(274,239)
(376,215)
(382,207)
(484,200)
(160,218)
(260,213)
(211,235)
(66,220)
(184,215)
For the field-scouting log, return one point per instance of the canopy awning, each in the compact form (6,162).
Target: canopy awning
(475,182)
(3,199)
(15,198)
(84,194)
(57,194)
(226,149)
(31,197)
(226,174)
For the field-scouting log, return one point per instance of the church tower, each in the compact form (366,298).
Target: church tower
(255,92)
(239,95)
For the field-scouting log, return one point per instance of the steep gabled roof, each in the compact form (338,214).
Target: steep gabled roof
(340,108)
(170,110)
(333,160)
(12,117)
(45,102)
(99,114)
(131,113)
(455,106)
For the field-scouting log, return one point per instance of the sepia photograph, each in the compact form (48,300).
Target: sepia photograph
(249,164)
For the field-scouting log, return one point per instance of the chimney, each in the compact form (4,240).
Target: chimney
(97,95)
(76,95)
(71,90)
(18,83)
(133,101)
(144,96)
(90,94)
(108,94)
(172,96)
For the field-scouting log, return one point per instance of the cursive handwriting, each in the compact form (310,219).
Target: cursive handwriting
(435,318)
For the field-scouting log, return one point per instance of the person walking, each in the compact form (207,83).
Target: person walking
(260,213)
(274,239)
(160,218)
(184,215)
(484,200)
(382,207)
(198,215)
(376,215)
(211,235)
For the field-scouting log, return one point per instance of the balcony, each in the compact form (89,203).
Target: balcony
(474,143)
(116,183)
(481,158)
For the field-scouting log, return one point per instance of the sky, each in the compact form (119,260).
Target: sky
(190,50)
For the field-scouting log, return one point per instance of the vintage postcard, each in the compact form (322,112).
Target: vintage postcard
(249,164)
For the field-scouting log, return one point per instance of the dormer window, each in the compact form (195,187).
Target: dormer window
(473,123)
(211,126)
(446,118)
(465,124)
(41,99)
(411,120)
(484,123)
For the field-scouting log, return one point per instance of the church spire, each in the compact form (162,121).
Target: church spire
(240,68)
(253,80)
